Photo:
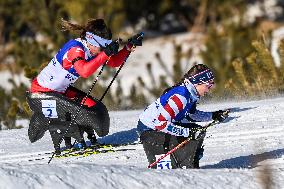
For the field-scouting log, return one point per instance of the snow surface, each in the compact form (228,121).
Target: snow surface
(239,153)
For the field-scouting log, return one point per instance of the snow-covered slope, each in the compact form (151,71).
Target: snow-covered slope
(238,154)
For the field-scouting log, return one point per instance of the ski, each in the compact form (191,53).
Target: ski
(86,153)
(83,152)
(80,154)
(98,146)
(91,150)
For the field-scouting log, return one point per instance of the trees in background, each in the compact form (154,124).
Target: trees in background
(237,49)
(257,73)
(30,36)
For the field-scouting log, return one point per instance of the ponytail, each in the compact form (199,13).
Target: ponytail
(95,26)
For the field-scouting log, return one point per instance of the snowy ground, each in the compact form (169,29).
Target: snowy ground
(239,153)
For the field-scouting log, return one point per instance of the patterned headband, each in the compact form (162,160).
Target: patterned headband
(205,76)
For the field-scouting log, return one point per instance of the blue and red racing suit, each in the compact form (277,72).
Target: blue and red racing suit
(177,106)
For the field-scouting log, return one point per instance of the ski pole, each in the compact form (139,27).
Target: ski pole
(141,34)
(79,109)
(187,140)
(119,40)
(82,103)
(176,161)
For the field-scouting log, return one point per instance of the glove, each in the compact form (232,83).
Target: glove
(220,115)
(111,49)
(136,40)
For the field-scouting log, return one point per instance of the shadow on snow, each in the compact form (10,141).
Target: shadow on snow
(249,161)
(236,109)
(122,137)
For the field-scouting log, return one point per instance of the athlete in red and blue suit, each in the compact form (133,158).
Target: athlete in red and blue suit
(168,120)
(75,59)
(81,57)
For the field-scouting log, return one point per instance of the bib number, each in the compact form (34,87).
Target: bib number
(164,163)
(49,108)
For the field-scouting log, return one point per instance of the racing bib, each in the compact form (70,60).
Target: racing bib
(49,108)
(164,163)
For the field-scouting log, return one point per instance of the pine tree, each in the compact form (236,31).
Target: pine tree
(241,77)
(261,77)
(281,68)
(267,63)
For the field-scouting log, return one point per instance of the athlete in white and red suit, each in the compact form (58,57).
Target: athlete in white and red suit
(74,60)
(81,57)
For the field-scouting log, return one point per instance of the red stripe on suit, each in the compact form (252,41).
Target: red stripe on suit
(178,102)
(162,126)
(170,110)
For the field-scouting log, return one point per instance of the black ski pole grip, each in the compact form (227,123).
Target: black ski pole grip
(141,34)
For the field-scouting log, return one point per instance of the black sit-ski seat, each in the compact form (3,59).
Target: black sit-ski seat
(53,112)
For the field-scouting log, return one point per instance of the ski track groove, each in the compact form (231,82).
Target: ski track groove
(65,182)
(3,157)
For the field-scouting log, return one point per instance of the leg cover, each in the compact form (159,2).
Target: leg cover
(95,118)
(156,143)
(68,143)
(38,126)
(200,149)
(61,130)
(91,135)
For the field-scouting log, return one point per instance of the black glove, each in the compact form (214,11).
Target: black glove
(220,115)
(111,49)
(136,40)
